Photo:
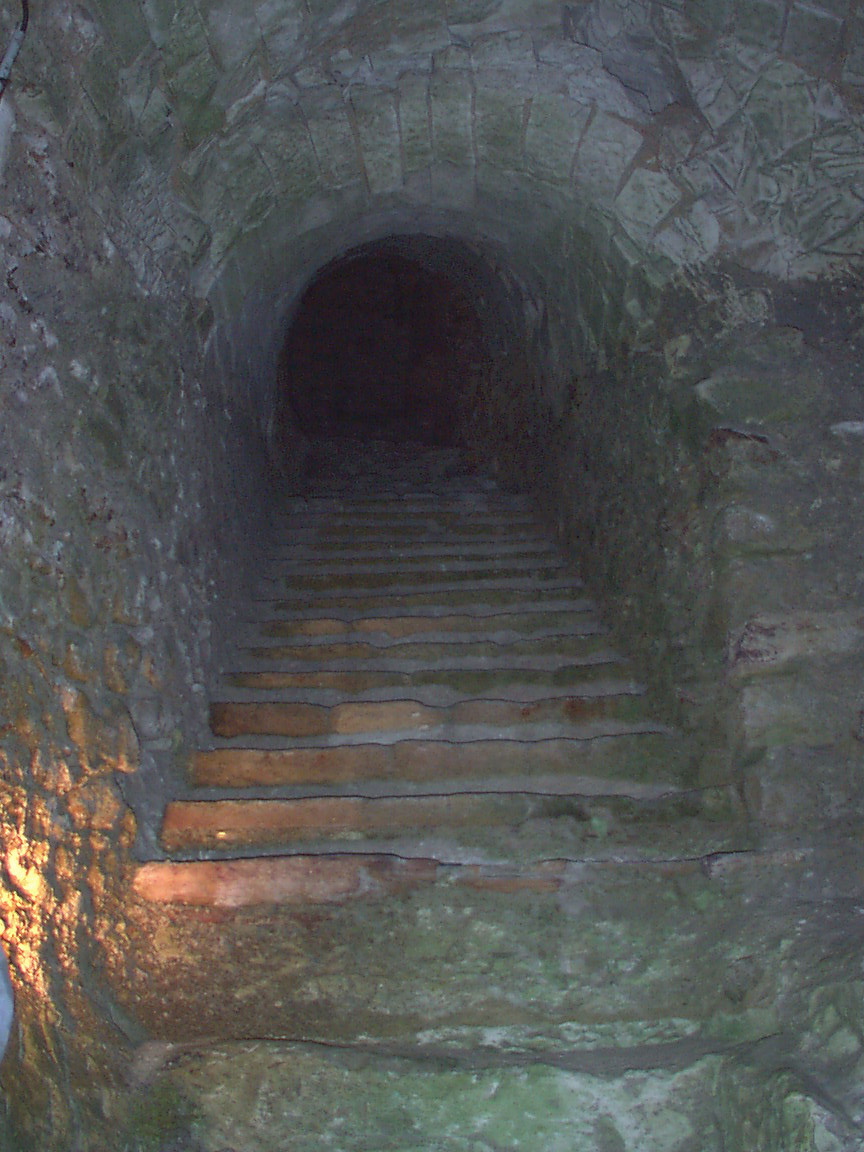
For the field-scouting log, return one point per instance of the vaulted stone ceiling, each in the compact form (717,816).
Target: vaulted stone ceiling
(261,140)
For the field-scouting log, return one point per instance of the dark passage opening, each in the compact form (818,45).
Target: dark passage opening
(384,345)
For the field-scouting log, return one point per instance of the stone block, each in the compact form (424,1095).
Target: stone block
(769,642)
(806,712)
(717,15)
(645,200)
(692,237)
(499,119)
(185,40)
(781,109)
(756,394)
(378,132)
(830,219)
(555,127)
(853,69)
(332,137)
(191,87)
(288,152)
(759,21)
(99,82)
(246,180)
(451,99)
(158,15)
(812,37)
(281,26)
(505,52)
(806,788)
(126,29)
(838,154)
(233,32)
(607,150)
(462,12)
(414,121)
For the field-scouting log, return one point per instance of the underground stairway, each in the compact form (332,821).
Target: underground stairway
(440,863)
(431,575)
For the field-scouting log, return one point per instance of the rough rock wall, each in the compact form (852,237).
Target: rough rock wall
(115,468)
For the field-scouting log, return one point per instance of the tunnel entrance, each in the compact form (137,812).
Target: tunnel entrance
(388,342)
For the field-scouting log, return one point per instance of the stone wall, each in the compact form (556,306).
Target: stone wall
(117,458)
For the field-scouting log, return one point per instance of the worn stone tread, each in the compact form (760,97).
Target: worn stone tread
(522,822)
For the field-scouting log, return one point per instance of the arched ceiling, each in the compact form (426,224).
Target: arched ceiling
(254,140)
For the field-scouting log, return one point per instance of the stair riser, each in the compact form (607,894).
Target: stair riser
(421,947)
(519,827)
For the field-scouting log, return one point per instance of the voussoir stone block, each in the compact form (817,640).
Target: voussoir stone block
(451,95)
(414,120)
(378,132)
(332,136)
(499,125)
(555,126)
(288,152)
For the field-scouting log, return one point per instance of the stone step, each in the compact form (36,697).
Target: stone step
(446,648)
(498,596)
(336,579)
(399,505)
(549,623)
(359,531)
(404,565)
(290,548)
(352,945)
(512,827)
(650,758)
(601,1095)
(292,719)
(269,611)
(478,676)
(511,687)
(527,732)
(500,630)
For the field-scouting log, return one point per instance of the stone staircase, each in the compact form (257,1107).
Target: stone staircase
(437,832)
